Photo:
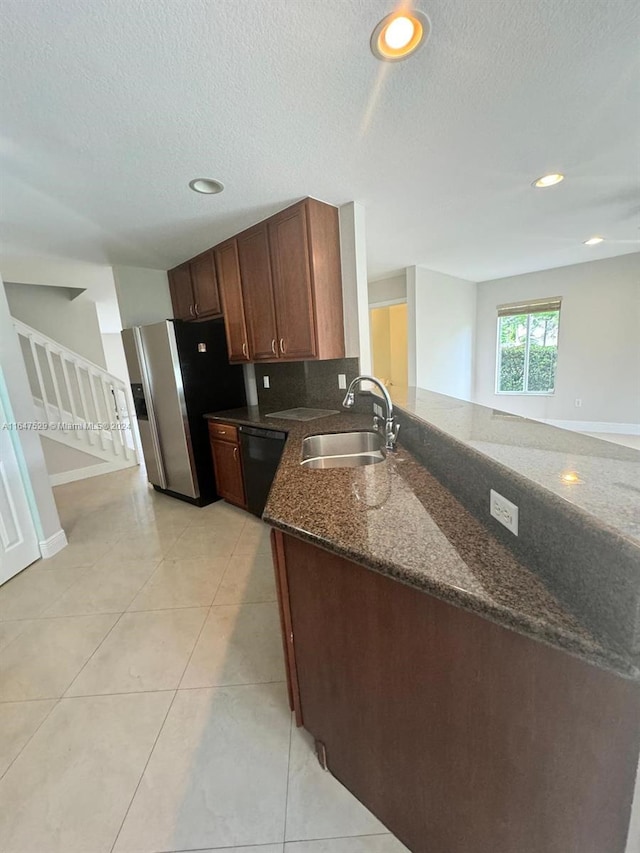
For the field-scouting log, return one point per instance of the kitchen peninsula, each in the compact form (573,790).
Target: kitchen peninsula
(454,688)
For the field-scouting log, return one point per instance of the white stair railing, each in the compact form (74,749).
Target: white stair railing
(78,398)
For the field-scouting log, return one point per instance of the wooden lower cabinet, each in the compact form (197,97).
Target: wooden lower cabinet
(227,462)
(459,735)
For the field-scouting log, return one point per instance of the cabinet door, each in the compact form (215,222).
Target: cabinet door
(181,292)
(228,468)
(257,292)
(289,244)
(228,272)
(205,286)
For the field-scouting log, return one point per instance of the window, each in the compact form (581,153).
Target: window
(528,347)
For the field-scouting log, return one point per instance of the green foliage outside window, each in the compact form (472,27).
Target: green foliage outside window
(528,352)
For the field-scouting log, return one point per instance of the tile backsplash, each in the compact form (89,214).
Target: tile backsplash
(304,383)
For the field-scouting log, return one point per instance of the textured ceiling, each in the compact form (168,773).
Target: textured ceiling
(110,107)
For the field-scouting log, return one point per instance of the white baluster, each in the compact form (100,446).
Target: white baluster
(115,391)
(54,382)
(83,400)
(43,390)
(94,397)
(110,414)
(72,402)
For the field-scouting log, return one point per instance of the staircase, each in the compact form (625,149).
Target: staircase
(78,403)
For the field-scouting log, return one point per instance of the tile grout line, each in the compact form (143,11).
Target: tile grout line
(144,770)
(82,668)
(204,622)
(329,838)
(226,847)
(34,733)
(286,798)
(137,692)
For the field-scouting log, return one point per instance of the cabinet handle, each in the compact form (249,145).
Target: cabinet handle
(191,311)
(274,347)
(244,349)
(235,453)
(282,349)
(222,432)
(196,309)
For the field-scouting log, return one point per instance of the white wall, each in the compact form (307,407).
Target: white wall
(43,508)
(114,356)
(598,344)
(355,298)
(143,295)
(386,290)
(61,459)
(95,279)
(58,312)
(441,323)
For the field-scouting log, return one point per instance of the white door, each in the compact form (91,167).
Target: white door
(18,540)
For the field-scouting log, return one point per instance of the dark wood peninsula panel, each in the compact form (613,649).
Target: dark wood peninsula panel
(460,735)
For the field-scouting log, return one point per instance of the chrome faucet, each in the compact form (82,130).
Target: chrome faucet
(391,428)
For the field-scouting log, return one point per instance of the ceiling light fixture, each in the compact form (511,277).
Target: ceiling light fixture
(548,180)
(206,185)
(399,35)
(570,477)
(593,241)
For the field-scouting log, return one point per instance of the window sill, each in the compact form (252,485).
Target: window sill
(525,393)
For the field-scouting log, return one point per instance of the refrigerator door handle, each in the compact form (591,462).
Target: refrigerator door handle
(153,423)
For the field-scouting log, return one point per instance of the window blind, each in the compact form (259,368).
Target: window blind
(536,306)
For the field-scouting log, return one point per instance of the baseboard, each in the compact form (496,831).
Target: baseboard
(85,473)
(595,426)
(49,547)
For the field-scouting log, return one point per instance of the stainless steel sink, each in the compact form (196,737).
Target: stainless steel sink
(342,450)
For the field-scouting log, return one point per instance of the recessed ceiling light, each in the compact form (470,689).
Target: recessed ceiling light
(399,35)
(206,185)
(571,477)
(593,241)
(548,180)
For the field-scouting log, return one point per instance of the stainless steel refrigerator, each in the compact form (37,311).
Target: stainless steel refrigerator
(178,372)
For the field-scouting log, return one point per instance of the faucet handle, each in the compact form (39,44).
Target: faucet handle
(376,422)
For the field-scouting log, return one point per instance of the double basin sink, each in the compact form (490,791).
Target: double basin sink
(342,450)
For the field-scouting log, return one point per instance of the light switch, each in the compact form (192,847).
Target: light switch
(265,381)
(342,380)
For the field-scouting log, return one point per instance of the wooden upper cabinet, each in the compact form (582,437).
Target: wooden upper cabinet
(326,277)
(257,292)
(181,292)
(278,284)
(292,286)
(228,272)
(205,286)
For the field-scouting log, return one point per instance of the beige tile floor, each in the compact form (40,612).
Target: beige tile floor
(142,699)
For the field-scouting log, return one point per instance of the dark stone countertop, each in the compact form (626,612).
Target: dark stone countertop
(396,518)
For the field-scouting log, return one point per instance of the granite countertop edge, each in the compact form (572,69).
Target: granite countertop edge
(623,539)
(585,647)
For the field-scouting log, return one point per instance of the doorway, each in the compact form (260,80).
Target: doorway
(18,541)
(389,348)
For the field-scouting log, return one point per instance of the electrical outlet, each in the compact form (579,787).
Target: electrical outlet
(578,403)
(377,410)
(265,381)
(504,511)
(342,380)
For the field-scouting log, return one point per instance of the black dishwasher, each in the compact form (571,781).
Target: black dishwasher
(261,452)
